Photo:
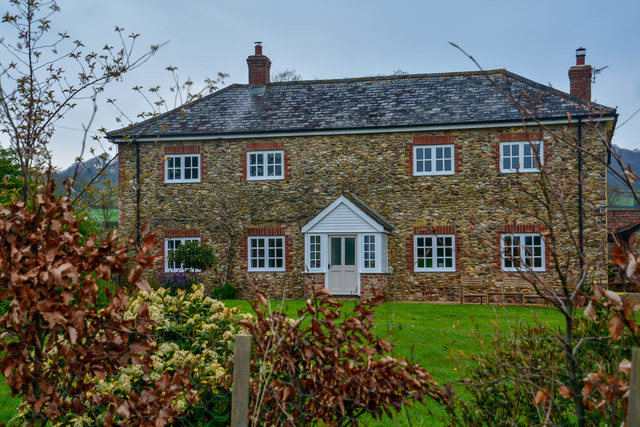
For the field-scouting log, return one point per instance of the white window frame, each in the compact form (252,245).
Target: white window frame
(434,249)
(182,158)
(167,251)
(521,146)
(321,239)
(264,165)
(267,257)
(523,252)
(433,150)
(370,247)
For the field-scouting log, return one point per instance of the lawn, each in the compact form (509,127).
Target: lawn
(427,333)
(423,333)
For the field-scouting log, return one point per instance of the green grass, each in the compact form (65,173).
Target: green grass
(428,333)
(8,404)
(423,333)
(98,214)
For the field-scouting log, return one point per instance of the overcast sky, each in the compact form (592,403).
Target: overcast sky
(348,38)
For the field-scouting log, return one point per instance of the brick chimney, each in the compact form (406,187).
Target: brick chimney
(580,76)
(259,68)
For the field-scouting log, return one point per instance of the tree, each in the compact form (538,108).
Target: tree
(328,367)
(194,255)
(549,198)
(286,75)
(44,76)
(11,174)
(55,339)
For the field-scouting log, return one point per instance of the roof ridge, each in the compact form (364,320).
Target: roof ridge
(387,77)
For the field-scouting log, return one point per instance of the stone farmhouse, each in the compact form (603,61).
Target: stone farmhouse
(397,185)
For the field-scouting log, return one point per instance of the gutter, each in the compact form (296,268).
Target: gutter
(342,131)
(580,202)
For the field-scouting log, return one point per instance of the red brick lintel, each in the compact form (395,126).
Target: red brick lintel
(182,149)
(265,231)
(438,229)
(187,232)
(433,139)
(520,136)
(522,228)
(265,146)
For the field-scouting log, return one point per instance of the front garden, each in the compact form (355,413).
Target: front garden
(79,349)
(423,333)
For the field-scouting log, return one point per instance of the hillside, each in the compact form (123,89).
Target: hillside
(87,171)
(631,158)
(618,194)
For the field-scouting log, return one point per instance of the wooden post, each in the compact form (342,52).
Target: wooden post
(241,370)
(633,419)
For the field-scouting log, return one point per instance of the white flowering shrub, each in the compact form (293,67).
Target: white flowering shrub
(193,333)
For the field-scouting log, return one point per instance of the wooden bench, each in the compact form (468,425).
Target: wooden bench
(515,287)
(472,287)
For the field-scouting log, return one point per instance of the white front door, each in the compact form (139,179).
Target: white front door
(342,273)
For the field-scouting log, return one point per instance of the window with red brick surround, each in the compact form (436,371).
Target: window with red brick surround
(522,229)
(256,232)
(519,137)
(434,230)
(434,140)
(181,150)
(265,146)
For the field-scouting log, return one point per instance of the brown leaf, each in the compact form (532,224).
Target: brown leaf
(542,398)
(123,410)
(144,286)
(590,312)
(73,335)
(144,230)
(377,301)
(615,327)
(612,297)
(564,391)
(625,367)
(597,292)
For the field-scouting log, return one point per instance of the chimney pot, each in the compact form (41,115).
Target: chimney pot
(258,48)
(581,53)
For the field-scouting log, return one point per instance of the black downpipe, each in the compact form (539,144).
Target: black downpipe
(580,212)
(138,193)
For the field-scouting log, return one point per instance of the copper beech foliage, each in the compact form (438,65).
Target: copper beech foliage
(55,342)
(322,368)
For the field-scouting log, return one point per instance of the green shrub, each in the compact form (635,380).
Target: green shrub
(515,369)
(104,299)
(226,291)
(194,255)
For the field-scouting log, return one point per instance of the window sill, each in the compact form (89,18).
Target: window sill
(182,181)
(433,173)
(271,178)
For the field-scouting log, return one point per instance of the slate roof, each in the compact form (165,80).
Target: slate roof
(369,211)
(362,103)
